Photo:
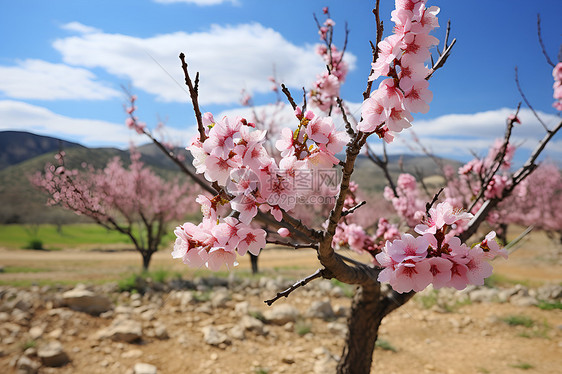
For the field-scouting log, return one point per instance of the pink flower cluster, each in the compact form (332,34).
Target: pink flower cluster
(233,157)
(557,86)
(326,88)
(353,236)
(132,122)
(215,241)
(408,204)
(401,58)
(412,263)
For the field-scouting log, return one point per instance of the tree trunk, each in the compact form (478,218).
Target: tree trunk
(146,256)
(254,261)
(367,312)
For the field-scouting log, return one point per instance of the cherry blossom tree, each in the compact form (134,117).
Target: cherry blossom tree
(132,200)
(245,183)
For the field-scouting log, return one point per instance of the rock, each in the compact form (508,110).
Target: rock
(55,334)
(337,328)
(252,324)
(52,354)
(341,311)
(122,330)
(83,300)
(242,308)
(484,295)
(550,292)
(321,309)
(36,332)
(237,332)
(281,314)
(520,300)
(133,353)
(160,331)
(25,365)
(220,298)
(142,368)
(212,336)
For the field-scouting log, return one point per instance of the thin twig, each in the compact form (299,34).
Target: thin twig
(287,93)
(303,282)
(353,209)
(293,245)
(374,48)
(348,127)
(193,92)
(433,201)
(527,101)
(548,60)
(442,56)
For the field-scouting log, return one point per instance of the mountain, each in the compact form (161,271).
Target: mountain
(19,146)
(20,202)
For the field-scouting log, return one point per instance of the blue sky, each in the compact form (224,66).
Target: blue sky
(63,62)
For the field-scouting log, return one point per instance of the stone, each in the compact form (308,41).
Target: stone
(133,353)
(83,300)
(484,295)
(252,324)
(160,331)
(142,368)
(122,330)
(220,298)
(520,300)
(321,309)
(212,336)
(337,328)
(36,332)
(25,365)
(237,332)
(52,354)
(281,314)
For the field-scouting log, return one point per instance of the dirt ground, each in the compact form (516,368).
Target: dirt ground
(471,338)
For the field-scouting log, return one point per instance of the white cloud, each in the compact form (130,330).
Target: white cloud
(228,58)
(80,28)
(456,135)
(37,79)
(197,2)
(20,116)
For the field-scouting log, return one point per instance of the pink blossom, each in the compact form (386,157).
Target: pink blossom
(251,240)
(284,232)
(218,256)
(408,248)
(440,268)
(459,277)
(410,276)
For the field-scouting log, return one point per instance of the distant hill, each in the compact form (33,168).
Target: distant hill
(20,202)
(19,146)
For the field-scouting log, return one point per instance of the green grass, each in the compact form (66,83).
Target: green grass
(523,366)
(482,370)
(385,345)
(518,320)
(348,290)
(302,328)
(135,282)
(549,305)
(70,236)
(24,269)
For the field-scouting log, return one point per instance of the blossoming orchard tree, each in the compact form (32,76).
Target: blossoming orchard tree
(133,201)
(246,184)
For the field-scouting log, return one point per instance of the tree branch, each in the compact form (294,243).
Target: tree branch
(320,273)
(193,92)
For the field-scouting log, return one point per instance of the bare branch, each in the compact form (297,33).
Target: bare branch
(348,127)
(193,92)
(527,101)
(433,201)
(287,93)
(320,273)
(442,56)
(374,48)
(353,209)
(548,60)
(293,245)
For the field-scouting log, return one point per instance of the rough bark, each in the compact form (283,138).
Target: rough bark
(367,312)
(254,262)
